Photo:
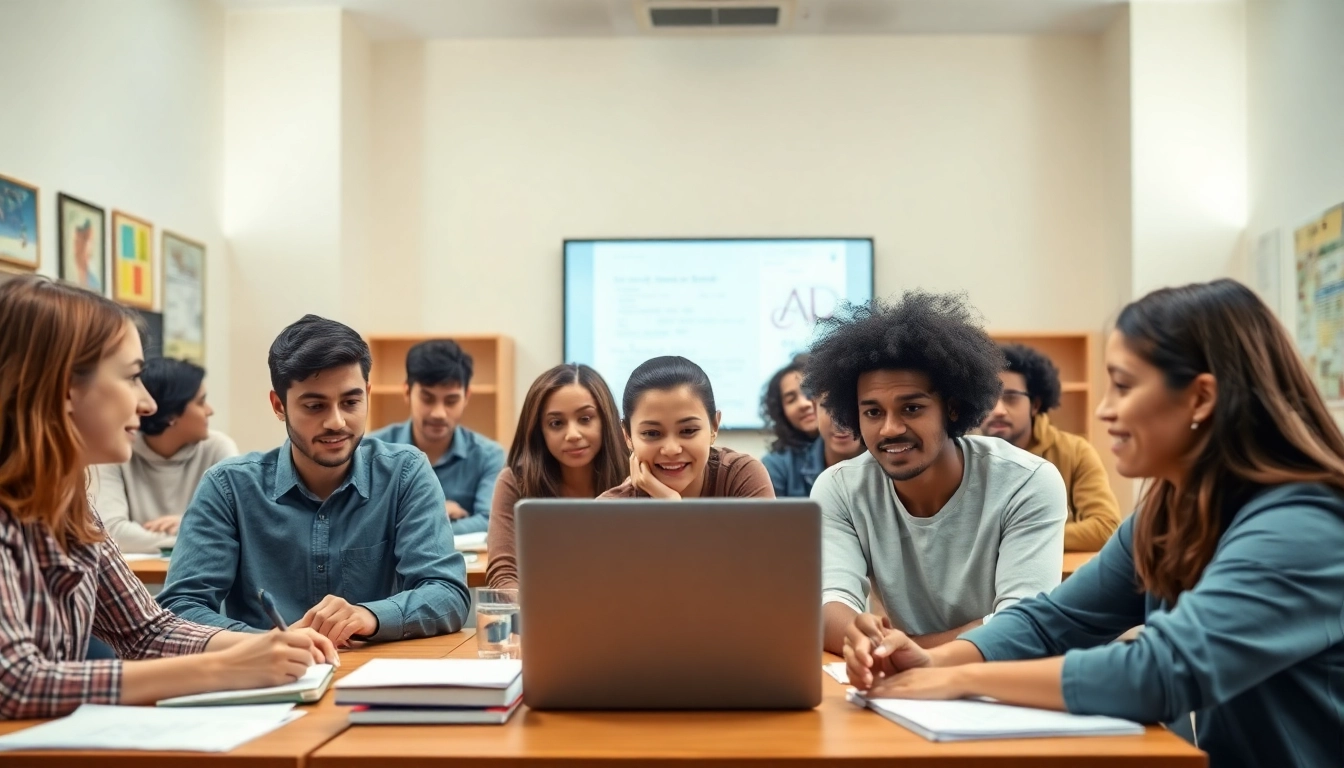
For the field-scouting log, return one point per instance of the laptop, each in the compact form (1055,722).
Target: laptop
(697,604)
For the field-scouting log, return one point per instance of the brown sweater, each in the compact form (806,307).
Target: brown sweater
(501,570)
(1094,514)
(728,474)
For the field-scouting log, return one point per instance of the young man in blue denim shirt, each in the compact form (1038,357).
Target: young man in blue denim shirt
(347,535)
(438,386)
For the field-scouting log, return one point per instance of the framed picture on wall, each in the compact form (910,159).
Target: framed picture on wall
(132,260)
(19,244)
(82,243)
(183,298)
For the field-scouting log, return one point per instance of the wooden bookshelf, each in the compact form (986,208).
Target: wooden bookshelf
(490,412)
(1072,354)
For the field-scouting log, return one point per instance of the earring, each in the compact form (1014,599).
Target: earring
(1194,426)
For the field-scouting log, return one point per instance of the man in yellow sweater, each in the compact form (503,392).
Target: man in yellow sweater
(1030,390)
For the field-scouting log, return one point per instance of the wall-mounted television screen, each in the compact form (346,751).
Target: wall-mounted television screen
(739,308)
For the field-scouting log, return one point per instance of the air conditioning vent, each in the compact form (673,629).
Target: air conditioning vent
(747,16)
(681,17)
(714,15)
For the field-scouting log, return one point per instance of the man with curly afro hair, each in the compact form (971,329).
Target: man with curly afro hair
(1030,389)
(946,528)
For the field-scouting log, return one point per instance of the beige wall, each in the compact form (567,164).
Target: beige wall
(1295,73)
(975,162)
(1188,118)
(298,192)
(139,133)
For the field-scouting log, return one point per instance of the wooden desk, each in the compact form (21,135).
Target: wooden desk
(835,733)
(150,571)
(155,571)
(287,747)
(1075,560)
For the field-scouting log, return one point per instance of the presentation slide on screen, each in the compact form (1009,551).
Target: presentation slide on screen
(739,308)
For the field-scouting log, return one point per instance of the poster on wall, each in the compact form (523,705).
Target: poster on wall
(19,245)
(132,261)
(82,243)
(183,298)
(1318,248)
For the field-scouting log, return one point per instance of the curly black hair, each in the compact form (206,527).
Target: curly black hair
(937,334)
(787,436)
(1040,372)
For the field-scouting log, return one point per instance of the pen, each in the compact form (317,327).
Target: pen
(268,605)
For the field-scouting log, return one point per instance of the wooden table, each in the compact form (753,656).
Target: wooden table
(287,747)
(1075,560)
(835,733)
(156,570)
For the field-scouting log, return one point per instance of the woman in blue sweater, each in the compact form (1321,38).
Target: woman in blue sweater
(1232,561)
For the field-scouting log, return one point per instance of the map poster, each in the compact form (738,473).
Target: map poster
(1318,247)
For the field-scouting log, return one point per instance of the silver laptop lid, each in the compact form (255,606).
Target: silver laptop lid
(696,604)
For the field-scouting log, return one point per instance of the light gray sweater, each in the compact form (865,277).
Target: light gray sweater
(999,539)
(149,487)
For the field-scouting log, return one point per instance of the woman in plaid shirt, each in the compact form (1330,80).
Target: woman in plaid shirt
(70,398)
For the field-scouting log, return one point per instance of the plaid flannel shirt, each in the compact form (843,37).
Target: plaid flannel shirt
(52,601)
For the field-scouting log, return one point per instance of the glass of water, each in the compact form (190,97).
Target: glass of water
(497,623)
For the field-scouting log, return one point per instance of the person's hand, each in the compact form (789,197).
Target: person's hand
(641,476)
(275,658)
(923,683)
(455,510)
(873,651)
(167,524)
(338,620)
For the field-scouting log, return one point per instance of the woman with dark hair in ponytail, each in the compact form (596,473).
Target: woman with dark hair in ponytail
(142,500)
(1232,562)
(670,427)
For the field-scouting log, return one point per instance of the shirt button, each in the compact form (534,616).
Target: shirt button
(321,569)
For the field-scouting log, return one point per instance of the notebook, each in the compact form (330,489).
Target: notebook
(967,720)
(305,690)
(365,715)
(433,683)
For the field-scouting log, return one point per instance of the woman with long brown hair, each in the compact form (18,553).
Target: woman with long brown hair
(568,445)
(1232,561)
(70,398)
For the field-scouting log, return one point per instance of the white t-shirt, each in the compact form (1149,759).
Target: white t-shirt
(1000,538)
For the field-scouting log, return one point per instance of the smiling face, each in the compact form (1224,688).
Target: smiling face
(671,431)
(572,426)
(902,420)
(325,414)
(107,408)
(799,409)
(1148,421)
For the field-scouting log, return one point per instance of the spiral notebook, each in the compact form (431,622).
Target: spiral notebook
(305,690)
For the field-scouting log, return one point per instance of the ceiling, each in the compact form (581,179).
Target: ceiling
(434,19)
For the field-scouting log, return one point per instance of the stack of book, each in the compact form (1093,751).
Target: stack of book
(407,691)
